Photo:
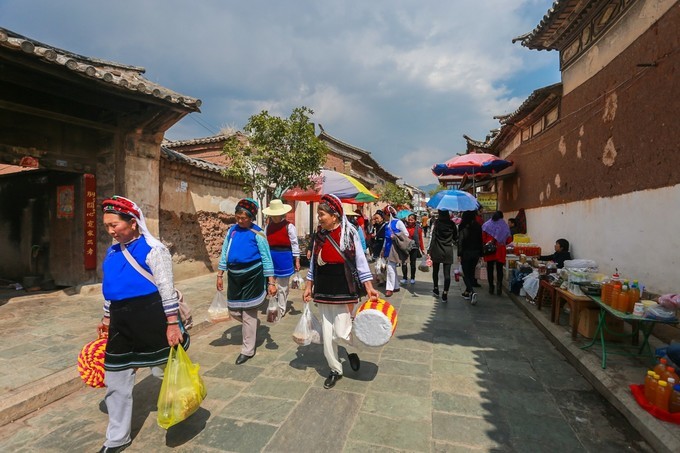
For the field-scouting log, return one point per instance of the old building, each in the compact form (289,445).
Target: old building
(89,129)
(595,154)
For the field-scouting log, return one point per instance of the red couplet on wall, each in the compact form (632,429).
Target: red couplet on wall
(90,250)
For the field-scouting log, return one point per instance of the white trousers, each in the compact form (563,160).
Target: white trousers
(336,326)
(282,288)
(118,399)
(392,276)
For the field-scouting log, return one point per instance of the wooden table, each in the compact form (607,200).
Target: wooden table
(576,304)
(545,290)
(638,323)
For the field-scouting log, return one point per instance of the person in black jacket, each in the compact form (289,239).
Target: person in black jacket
(469,251)
(444,235)
(561,253)
(377,238)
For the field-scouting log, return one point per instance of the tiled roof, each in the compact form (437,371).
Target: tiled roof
(562,17)
(533,101)
(114,75)
(197,141)
(175,156)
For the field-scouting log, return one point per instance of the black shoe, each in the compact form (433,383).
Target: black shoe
(476,284)
(445,296)
(492,290)
(354,361)
(242,358)
(435,291)
(332,379)
(106,449)
(466,295)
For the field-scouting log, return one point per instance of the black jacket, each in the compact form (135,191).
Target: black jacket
(470,239)
(444,236)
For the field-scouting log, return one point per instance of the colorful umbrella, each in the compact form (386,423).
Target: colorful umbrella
(471,164)
(404,213)
(345,187)
(453,200)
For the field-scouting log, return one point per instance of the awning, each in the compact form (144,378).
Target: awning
(485,180)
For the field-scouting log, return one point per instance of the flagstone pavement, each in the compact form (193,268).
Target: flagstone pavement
(454,378)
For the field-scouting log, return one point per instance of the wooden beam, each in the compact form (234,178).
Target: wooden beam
(12,106)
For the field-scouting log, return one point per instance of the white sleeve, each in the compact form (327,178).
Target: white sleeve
(360,259)
(292,235)
(160,263)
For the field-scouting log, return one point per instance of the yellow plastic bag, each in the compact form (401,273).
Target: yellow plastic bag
(182,390)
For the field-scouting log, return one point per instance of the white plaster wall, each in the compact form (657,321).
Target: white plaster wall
(635,22)
(637,233)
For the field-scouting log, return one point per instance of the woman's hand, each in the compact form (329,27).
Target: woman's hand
(271,289)
(297,264)
(103,328)
(220,282)
(370,291)
(174,335)
(307,295)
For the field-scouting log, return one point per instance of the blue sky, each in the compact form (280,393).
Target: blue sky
(402,79)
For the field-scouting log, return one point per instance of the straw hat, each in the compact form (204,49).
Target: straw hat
(276,207)
(349,210)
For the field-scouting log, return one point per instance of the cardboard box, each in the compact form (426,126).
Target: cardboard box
(587,324)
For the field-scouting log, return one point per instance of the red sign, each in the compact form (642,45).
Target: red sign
(90,222)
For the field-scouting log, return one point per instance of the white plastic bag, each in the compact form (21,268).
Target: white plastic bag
(302,334)
(423,266)
(273,314)
(380,265)
(219,311)
(297,282)
(317,332)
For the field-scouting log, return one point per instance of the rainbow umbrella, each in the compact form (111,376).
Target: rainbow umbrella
(345,187)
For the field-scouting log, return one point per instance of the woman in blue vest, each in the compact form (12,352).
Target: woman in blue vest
(248,263)
(395,250)
(140,317)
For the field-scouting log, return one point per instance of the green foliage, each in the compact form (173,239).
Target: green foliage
(280,153)
(393,194)
(439,188)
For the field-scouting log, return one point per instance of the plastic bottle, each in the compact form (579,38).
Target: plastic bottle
(606,294)
(653,386)
(633,295)
(660,367)
(648,384)
(663,395)
(670,374)
(623,298)
(674,402)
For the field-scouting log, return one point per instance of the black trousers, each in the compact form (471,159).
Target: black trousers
(468,261)
(447,275)
(490,265)
(412,258)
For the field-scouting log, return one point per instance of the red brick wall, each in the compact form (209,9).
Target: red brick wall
(632,110)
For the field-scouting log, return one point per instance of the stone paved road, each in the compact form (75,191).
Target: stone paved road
(455,378)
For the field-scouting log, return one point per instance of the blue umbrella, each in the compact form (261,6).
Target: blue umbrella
(403,214)
(453,200)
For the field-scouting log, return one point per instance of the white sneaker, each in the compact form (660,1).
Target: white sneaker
(402,281)
(413,281)
(473,299)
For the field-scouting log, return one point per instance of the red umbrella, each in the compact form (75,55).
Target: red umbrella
(471,164)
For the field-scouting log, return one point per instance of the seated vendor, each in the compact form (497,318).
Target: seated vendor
(561,253)
(512,223)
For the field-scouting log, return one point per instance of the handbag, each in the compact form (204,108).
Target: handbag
(354,283)
(489,248)
(184,309)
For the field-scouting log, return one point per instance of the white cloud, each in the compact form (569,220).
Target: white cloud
(402,79)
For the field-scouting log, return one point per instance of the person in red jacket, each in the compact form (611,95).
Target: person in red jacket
(497,232)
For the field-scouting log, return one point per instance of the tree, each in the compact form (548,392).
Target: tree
(439,188)
(279,153)
(393,194)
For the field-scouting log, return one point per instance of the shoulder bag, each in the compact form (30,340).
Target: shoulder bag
(489,248)
(184,309)
(353,280)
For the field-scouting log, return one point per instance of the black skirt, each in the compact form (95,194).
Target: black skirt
(138,334)
(330,285)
